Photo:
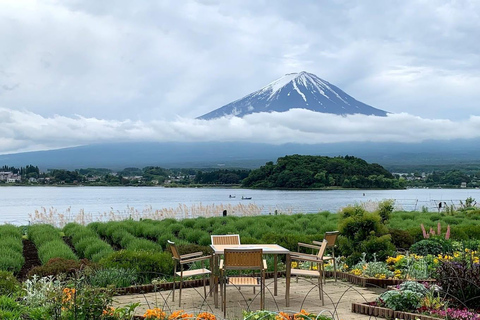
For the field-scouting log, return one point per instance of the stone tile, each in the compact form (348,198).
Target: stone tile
(338,298)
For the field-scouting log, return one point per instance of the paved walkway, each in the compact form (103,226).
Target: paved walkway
(303,295)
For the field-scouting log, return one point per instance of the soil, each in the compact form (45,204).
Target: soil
(68,241)
(31,259)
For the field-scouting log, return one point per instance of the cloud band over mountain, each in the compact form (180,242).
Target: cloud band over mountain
(27,131)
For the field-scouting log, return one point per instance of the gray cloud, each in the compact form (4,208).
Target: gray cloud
(143,59)
(150,63)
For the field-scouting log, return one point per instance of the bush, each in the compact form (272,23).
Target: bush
(414,286)
(57,266)
(404,300)
(385,209)
(363,231)
(147,264)
(434,246)
(117,277)
(8,283)
(401,239)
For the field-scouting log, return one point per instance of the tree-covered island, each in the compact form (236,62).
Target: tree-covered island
(312,172)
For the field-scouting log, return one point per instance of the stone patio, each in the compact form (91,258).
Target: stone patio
(303,295)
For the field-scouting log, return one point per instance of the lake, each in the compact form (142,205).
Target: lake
(19,204)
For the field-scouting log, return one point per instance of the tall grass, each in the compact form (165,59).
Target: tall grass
(11,248)
(60,219)
(49,243)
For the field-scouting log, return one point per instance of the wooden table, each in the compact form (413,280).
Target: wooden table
(274,249)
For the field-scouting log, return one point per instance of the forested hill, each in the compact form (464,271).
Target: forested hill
(300,172)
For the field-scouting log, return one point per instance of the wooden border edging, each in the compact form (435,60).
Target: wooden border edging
(366,309)
(146,288)
(364,282)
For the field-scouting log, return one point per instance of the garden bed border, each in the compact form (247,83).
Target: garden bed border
(364,308)
(146,288)
(374,282)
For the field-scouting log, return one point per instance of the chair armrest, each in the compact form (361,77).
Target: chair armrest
(264,264)
(305,257)
(306,245)
(195,259)
(191,255)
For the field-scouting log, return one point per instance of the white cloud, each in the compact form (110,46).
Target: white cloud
(22,131)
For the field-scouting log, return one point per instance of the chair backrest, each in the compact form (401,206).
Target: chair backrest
(238,259)
(331,237)
(323,246)
(225,239)
(174,250)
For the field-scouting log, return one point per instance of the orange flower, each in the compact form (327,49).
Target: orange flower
(282,316)
(206,316)
(179,314)
(110,311)
(298,316)
(155,313)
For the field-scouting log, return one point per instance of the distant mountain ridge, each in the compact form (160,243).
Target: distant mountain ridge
(239,154)
(296,90)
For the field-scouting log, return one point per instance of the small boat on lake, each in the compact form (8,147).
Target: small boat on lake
(230,196)
(246,198)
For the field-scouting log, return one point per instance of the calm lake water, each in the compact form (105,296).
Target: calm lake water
(19,204)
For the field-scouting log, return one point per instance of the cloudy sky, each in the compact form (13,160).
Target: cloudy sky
(75,72)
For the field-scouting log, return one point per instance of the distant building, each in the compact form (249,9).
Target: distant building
(463,185)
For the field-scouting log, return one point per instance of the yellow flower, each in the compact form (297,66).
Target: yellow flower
(357,272)
(294,264)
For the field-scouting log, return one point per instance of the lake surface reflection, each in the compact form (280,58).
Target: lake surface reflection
(18,203)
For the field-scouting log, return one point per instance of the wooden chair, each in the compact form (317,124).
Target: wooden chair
(331,237)
(242,259)
(183,260)
(225,239)
(315,260)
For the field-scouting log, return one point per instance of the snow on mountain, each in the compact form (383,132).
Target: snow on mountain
(296,90)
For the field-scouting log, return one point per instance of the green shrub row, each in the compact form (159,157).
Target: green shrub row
(49,243)
(87,242)
(120,234)
(282,229)
(11,248)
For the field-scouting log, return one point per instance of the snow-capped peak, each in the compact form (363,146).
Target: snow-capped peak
(296,90)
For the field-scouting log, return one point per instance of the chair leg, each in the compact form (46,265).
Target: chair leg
(204,287)
(334,266)
(180,292)
(224,298)
(174,276)
(320,286)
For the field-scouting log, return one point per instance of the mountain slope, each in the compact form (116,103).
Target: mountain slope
(296,90)
(240,154)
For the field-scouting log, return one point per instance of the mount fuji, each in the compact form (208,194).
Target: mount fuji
(296,90)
